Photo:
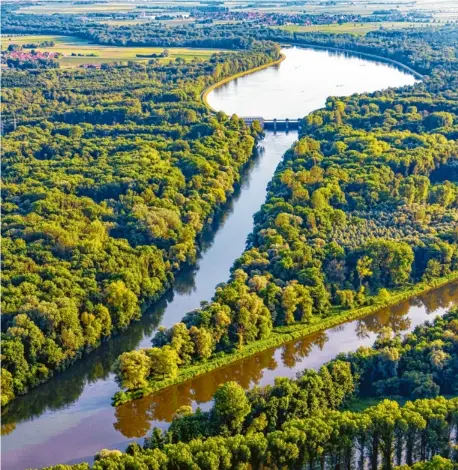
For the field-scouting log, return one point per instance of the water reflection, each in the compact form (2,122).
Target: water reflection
(303,82)
(134,419)
(65,389)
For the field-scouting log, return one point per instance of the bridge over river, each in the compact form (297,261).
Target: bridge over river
(274,124)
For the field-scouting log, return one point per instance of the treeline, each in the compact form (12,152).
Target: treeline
(135,418)
(363,204)
(423,364)
(436,463)
(419,48)
(299,423)
(32,64)
(109,178)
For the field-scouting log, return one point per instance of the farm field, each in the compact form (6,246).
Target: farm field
(130,22)
(229,234)
(351,28)
(7,39)
(68,45)
(69,8)
(126,22)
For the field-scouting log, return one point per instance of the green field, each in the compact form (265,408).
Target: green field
(352,28)
(69,8)
(442,10)
(121,22)
(60,41)
(126,22)
(66,45)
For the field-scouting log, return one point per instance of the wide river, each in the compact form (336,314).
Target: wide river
(70,418)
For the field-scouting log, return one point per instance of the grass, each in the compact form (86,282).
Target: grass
(7,39)
(280,336)
(443,11)
(360,404)
(351,28)
(126,22)
(66,45)
(174,22)
(177,21)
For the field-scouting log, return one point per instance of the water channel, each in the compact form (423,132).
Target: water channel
(70,418)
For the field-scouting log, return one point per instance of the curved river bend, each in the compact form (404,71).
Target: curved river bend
(70,418)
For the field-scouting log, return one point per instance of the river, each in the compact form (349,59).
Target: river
(70,418)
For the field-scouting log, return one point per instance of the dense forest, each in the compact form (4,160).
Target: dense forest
(304,423)
(335,439)
(365,203)
(109,177)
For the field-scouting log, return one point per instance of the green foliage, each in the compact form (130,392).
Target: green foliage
(134,368)
(298,424)
(163,361)
(231,407)
(436,463)
(109,179)
(363,205)
(424,364)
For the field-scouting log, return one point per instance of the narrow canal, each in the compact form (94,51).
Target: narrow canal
(70,418)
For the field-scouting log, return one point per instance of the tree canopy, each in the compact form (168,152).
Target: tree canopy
(109,178)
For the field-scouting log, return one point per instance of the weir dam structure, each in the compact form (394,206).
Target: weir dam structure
(274,124)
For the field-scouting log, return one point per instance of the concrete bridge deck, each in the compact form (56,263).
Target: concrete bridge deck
(274,124)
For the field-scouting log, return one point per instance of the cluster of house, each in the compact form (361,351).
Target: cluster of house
(275,19)
(27,56)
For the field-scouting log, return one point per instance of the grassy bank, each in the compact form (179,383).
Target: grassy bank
(282,335)
(206,92)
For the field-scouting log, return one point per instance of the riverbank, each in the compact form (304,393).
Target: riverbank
(282,335)
(205,93)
